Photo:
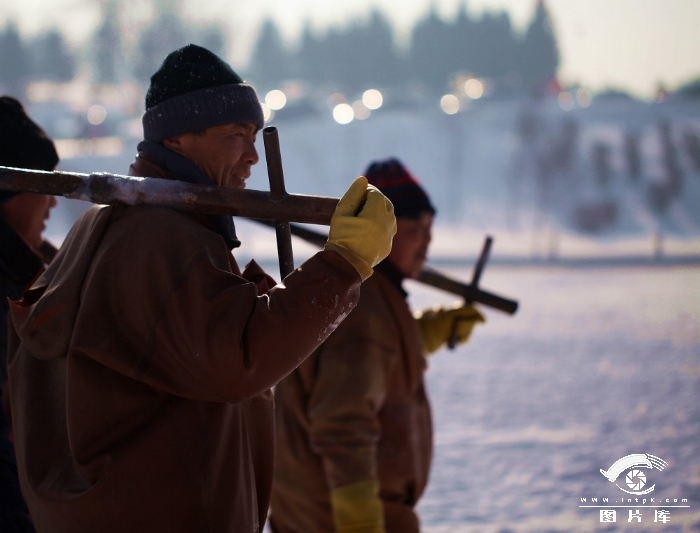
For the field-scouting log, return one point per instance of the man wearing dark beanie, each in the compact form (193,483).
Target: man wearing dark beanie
(141,362)
(22,217)
(355,418)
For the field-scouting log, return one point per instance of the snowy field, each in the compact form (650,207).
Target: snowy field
(597,364)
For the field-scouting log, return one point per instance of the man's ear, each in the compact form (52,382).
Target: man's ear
(174,144)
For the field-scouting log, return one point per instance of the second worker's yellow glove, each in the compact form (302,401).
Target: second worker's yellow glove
(362,227)
(357,508)
(438,325)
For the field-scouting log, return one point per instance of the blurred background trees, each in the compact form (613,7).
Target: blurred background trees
(365,54)
(362,54)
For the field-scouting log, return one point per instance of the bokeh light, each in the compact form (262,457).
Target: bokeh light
(360,110)
(96,115)
(372,99)
(566,101)
(343,114)
(293,90)
(267,112)
(474,88)
(583,97)
(449,104)
(275,99)
(336,99)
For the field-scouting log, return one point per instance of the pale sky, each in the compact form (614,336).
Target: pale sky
(628,44)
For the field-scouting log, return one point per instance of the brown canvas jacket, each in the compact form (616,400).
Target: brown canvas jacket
(356,410)
(140,365)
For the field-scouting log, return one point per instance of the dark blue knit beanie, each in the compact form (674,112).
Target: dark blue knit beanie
(400,186)
(23,144)
(194,89)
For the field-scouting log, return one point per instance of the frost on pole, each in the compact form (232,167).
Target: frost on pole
(104,188)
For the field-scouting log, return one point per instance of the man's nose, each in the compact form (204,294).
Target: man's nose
(251,154)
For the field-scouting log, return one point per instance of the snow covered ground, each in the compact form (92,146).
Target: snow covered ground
(597,364)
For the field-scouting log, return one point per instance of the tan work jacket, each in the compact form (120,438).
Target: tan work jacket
(355,410)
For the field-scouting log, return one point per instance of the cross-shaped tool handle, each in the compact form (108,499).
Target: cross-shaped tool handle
(278,194)
(478,268)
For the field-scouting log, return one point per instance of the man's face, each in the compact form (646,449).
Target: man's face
(225,153)
(409,250)
(26,213)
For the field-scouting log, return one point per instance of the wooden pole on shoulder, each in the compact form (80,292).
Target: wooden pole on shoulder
(104,188)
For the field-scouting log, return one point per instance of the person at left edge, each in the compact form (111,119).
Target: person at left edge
(141,362)
(22,215)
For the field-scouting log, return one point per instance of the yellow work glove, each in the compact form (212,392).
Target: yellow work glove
(362,234)
(438,325)
(357,508)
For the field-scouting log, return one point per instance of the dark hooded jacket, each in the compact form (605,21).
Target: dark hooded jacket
(140,365)
(19,266)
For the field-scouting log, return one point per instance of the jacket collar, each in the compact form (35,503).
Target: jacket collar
(396,278)
(182,169)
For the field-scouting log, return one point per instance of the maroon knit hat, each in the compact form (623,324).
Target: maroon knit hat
(400,186)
